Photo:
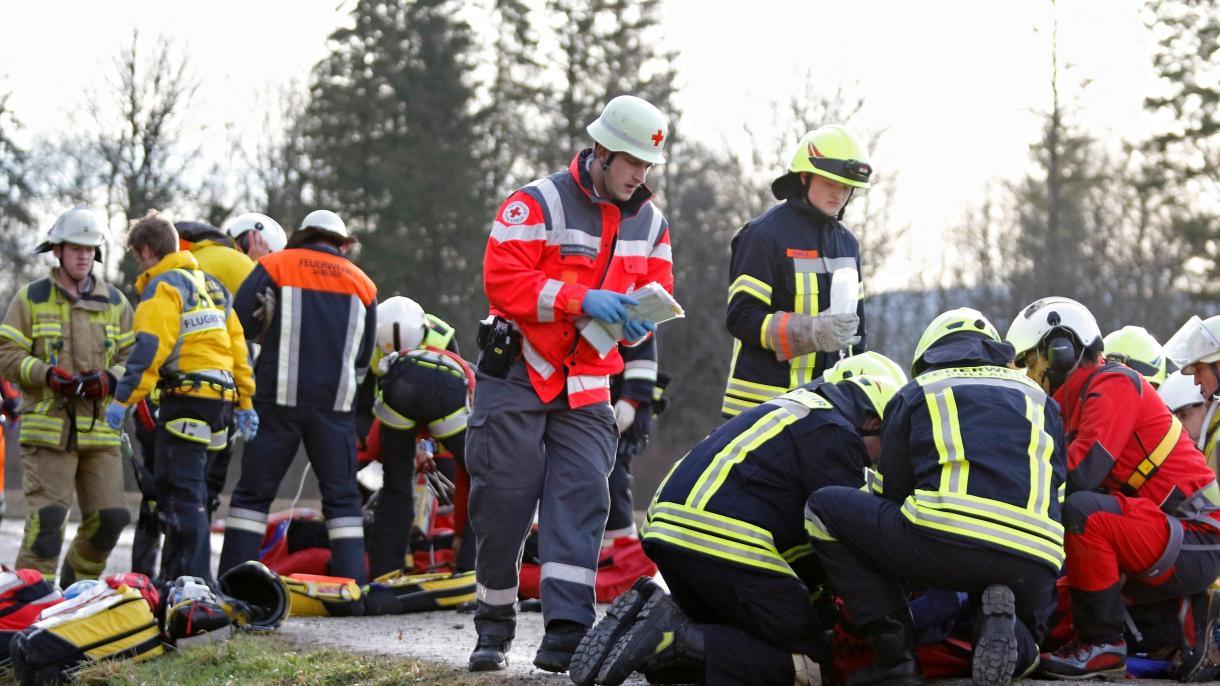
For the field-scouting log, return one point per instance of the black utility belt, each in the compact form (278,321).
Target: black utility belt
(499,346)
(180,383)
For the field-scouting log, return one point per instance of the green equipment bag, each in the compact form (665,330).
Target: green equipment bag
(101,624)
(398,593)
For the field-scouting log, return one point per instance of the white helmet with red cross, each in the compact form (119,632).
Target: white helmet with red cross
(634,126)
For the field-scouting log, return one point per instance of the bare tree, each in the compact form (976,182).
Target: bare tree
(17,231)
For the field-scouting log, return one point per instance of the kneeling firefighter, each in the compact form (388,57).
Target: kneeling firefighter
(965,500)
(727,532)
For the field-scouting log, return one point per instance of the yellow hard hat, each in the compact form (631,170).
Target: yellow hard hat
(1139,350)
(830,151)
(877,389)
(951,322)
(868,363)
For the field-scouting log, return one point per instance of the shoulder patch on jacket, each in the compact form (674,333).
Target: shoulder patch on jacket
(40,290)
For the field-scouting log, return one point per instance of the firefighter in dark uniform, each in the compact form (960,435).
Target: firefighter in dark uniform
(1142,511)
(422,385)
(316,350)
(780,273)
(727,532)
(632,395)
(972,460)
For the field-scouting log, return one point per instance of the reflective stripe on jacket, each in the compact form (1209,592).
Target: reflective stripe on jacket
(317,348)
(551,242)
(45,327)
(976,455)
(186,328)
(739,495)
(781,263)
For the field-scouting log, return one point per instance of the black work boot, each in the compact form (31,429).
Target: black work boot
(893,641)
(558,644)
(662,636)
(596,644)
(490,654)
(1199,657)
(995,642)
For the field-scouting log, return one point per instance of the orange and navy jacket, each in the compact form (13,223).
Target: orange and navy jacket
(781,264)
(554,240)
(317,348)
(185,325)
(1123,439)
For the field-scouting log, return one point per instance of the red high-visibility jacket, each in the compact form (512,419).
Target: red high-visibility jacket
(1122,439)
(551,242)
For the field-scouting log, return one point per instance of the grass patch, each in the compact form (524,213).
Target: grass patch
(266,661)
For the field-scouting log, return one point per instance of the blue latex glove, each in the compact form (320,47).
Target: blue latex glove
(608,306)
(247,423)
(635,329)
(115,413)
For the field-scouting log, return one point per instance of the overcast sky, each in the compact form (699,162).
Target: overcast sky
(957,84)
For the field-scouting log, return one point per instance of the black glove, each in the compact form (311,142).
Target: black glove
(63,382)
(97,383)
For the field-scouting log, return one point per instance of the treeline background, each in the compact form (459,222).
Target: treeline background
(417,123)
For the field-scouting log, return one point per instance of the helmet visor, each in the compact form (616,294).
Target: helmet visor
(1192,343)
(853,170)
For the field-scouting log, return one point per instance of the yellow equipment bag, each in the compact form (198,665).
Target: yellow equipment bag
(398,593)
(314,595)
(104,624)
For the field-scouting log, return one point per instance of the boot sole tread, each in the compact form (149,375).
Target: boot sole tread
(995,652)
(591,652)
(626,642)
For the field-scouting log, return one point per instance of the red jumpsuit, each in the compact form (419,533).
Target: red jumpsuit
(1142,502)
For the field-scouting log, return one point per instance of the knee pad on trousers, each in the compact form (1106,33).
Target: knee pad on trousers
(1080,505)
(49,531)
(110,524)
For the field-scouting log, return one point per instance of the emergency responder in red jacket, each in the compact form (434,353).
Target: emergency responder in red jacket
(564,250)
(1141,503)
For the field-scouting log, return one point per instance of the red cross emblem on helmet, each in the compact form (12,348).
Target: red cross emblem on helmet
(657,138)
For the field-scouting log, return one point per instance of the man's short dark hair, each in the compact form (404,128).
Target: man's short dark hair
(155,232)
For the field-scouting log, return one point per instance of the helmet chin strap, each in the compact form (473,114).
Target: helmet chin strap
(843,209)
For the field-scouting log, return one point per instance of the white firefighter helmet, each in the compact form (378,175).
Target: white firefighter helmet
(1197,341)
(327,222)
(268,228)
(78,226)
(1040,317)
(634,126)
(401,324)
(1179,391)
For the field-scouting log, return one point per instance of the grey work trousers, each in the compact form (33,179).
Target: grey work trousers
(525,455)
